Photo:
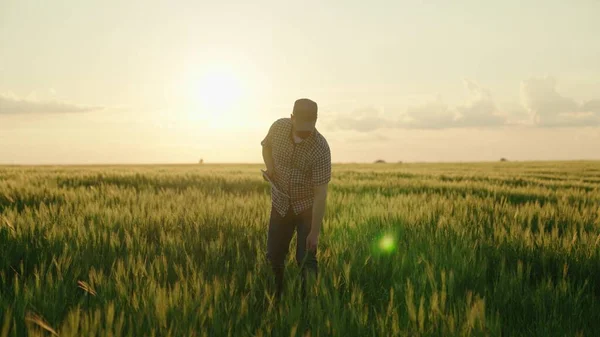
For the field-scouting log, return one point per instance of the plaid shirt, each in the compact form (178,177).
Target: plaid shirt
(298,167)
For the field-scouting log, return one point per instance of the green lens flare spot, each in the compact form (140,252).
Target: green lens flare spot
(387,244)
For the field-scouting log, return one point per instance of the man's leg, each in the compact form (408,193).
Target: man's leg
(279,236)
(306,259)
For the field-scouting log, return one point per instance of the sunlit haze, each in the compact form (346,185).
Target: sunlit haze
(88,82)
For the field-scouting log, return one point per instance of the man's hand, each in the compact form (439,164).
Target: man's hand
(268,175)
(312,240)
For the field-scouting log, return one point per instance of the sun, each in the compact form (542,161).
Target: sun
(217,93)
(219,90)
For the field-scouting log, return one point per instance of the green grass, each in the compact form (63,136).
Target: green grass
(502,249)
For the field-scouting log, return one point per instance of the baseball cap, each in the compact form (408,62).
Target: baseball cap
(305,113)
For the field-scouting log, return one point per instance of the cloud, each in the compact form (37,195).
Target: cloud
(363,120)
(11,104)
(591,106)
(366,138)
(547,107)
(479,110)
(541,105)
(432,115)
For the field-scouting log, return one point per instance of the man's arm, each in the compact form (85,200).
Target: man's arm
(321,177)
(319,206)
(267,153)
(267,149)
(318,213)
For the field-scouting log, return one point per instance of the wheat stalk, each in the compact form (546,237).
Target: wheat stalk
(39,321)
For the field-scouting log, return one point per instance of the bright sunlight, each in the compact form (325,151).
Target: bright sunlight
(217,94)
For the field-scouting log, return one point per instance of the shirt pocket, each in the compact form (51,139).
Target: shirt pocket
(301,183)
(302,164)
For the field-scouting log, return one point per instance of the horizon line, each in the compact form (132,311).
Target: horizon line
(260,163)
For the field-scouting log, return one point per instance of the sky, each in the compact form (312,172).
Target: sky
(89,82)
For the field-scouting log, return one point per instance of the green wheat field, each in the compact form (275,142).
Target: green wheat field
(478,249)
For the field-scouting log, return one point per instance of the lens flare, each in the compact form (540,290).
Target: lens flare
(387,244)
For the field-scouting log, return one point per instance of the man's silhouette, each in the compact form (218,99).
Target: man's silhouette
(298,162)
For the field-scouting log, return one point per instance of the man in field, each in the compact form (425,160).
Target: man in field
(298,162)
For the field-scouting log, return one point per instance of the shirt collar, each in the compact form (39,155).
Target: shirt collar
(309,139)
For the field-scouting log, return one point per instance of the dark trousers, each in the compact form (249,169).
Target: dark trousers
(281,231)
